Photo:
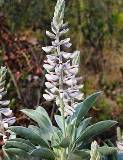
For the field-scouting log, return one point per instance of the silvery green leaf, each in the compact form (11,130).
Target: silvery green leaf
(51,35)
(48,49)
(30,135)
(57,23)
(16,151)
(65,142)
(43,153)
(76,58)
(59,122)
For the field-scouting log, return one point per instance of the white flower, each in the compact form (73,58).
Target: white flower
(48,49)
(61,66)
(49,67)
(50,84)
(6,111)
(49,96)
(52,77)
(4,103)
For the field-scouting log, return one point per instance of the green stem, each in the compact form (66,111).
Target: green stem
(61,86)
(63,153)
(63,118)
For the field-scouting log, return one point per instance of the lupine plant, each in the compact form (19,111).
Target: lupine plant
(72,137)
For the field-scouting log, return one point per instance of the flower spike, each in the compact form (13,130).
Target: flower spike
(62,67)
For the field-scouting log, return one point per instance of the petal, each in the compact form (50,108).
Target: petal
(54,90)
(5,103)
(64,31)
(2,89)
(79,97)
(69,107)
(9,121)
(51,77)
(48,67)
(65,41)
(68,112)
(5,125)
(49,34)
(66,55)
(48,49)
(6,111)
(49,97)
(49,84)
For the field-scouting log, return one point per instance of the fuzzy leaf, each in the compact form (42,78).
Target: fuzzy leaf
(84,107)
(29,135)
(79,155)
(43,153)
(19,145)
(83,125)
(95,130)
(16,151)
(105,150)
(65,142)
(59,122)
(41,117)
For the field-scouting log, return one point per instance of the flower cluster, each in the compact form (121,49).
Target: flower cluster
(61,66)
(6,118)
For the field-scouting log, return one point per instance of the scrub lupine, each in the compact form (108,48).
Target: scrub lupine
(62,67)
(6,118)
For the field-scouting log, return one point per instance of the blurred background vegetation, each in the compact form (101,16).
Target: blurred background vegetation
(96,29)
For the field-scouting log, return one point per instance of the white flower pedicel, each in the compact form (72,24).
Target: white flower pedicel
(61,67)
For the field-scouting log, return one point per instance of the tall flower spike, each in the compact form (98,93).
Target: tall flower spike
(62,67)
(95,155)
(4,112)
